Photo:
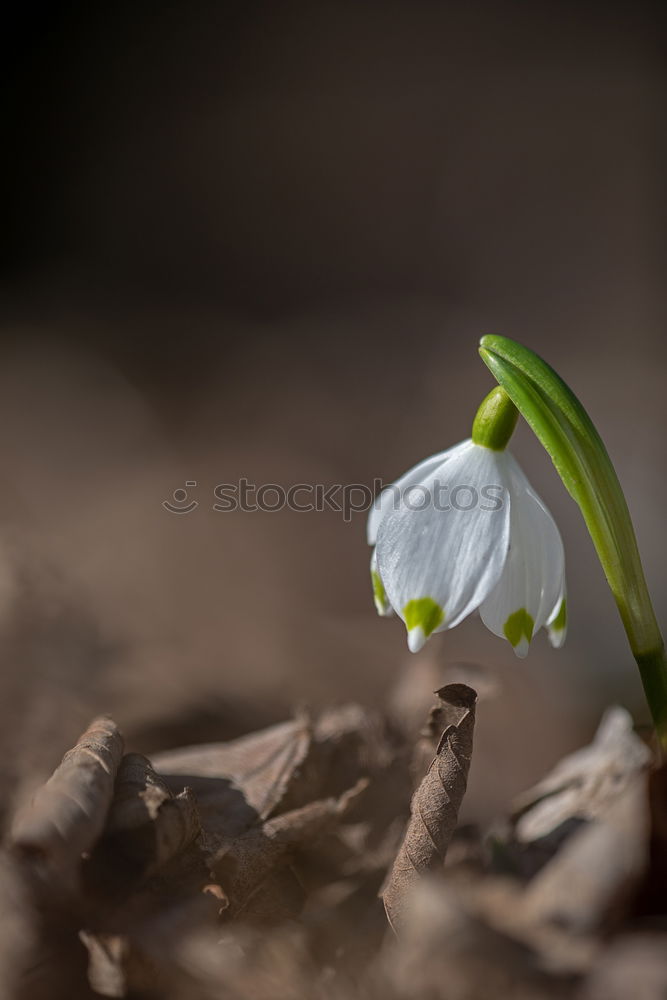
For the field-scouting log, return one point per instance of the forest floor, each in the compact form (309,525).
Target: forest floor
(321,857)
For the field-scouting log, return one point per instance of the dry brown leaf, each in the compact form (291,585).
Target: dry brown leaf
(426,744)
(241,782)
(421,677)
(587,882)
(447,952)
(435,804)
(283,768)
(584,784)
(499,903)
(146,825)
(68,813)
(349,742)
(273,841)
(244,864)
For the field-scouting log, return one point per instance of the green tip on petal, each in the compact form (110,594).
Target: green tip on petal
(519,630)
(556,628)
(379,594)
(495,420)
(422,617)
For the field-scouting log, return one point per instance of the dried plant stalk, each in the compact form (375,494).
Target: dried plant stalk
(435,805)
(67,814)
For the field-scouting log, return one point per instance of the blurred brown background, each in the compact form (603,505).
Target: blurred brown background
(262,240)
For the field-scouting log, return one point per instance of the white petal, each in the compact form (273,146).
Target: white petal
(416,638)
(439,562)
(382,605)
(389,498)
(532,578)
(557,620)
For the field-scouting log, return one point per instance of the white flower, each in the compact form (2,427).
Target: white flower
(461,531)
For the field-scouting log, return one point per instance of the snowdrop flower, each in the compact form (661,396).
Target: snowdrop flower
(465,531)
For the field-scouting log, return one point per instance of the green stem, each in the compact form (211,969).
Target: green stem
(569,436)
(653,672)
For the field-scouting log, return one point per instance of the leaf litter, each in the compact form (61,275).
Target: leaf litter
(323,857)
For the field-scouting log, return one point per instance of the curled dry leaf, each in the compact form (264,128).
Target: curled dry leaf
(435,804)
(68,813)
(441,714)
(585,783)
(412,694)
(146,825)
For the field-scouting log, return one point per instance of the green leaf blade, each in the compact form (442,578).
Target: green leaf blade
(577,451)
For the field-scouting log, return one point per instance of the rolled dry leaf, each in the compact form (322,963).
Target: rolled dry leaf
(412,694)
(147,825)
(427,742)
(67,814)
(138,796)
(435,805)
